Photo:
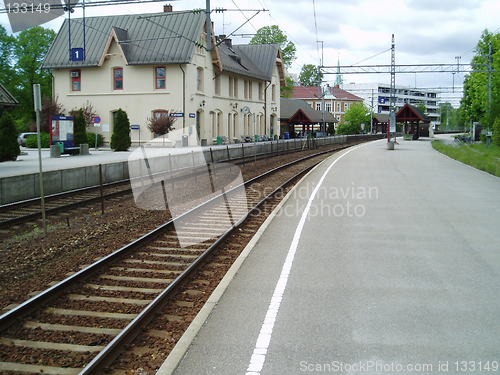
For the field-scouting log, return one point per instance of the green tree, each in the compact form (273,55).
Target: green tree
(120,140)
(7,74)
(496,132)
(274,35)
(422,107)
(356,115)
(79,129)
(9,148)
(475,101)
(286,91)
(310,75)
(29,51)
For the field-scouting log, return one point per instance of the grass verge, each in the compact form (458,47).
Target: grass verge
(480,156)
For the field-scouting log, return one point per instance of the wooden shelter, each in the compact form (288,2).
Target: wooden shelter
(297,117)
(415,122)
(379,123)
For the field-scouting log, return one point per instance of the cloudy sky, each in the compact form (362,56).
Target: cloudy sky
(426,31)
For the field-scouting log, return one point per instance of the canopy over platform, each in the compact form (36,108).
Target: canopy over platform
(296,113)
(379,122)
(415,122)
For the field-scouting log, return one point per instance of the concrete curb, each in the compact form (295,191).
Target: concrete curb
(180,349)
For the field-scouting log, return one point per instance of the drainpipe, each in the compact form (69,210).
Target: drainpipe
(183,98)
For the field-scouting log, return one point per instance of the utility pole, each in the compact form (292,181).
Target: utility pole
(371,116)
(37,99)
(208,26)
(490,68)
(392,102)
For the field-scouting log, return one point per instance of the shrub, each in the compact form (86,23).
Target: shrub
(162,124)
(348,128)
(496,132)
(79,129)
(9,148)
(120,140)
(32,141)
(91,139)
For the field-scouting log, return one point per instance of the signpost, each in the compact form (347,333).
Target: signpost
(137,127)
(37,99)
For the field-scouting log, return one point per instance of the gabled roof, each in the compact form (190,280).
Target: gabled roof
(411,113)
(314,92)
(252,60)
(289,107)
(306,92)
(6,98)
(166,38)
(381,117)
(342,94)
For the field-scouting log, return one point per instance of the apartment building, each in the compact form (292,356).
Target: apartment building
(336,100)
(381,92)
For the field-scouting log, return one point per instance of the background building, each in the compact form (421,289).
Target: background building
(336,100)
(404,95)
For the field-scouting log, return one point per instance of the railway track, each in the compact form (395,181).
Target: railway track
(28,211)
(79,325)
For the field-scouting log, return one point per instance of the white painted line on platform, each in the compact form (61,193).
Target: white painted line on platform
(260,351)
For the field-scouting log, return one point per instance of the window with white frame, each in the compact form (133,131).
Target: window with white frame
(318,106)
(328,107)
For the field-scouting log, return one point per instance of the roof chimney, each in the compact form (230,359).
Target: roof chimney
(167,8)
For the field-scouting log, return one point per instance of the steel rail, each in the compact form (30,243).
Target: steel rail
(9,317)
(33,216)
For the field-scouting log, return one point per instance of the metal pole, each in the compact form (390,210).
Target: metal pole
(371,116)
(393,88)
(37,99)
(101,190)
(490,63)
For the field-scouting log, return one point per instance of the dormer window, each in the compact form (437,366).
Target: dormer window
(76,80)
(118,78)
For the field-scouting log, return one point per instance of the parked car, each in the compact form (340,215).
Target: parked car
(21,139)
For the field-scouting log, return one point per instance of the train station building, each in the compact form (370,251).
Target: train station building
(158,64)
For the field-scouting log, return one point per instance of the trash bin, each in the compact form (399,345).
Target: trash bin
(219,140)
(55,151)
(286,135)
(61,147)
(185,141)
(257,138)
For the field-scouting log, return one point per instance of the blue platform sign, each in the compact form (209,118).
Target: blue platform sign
(77,54)
(135,127)
(177,114)
(96,120)
(192,115)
